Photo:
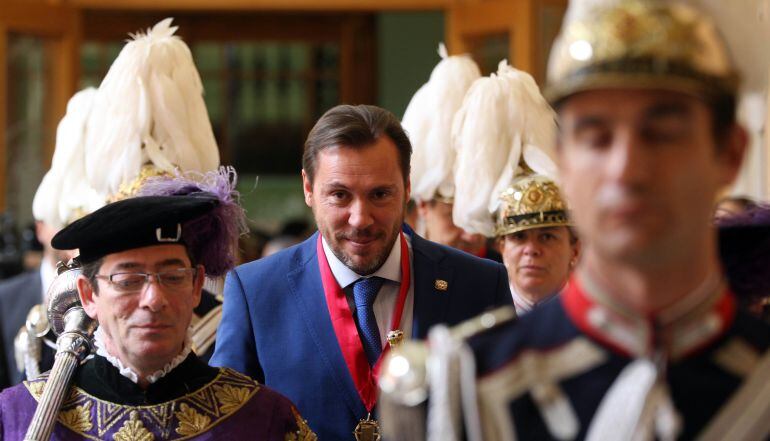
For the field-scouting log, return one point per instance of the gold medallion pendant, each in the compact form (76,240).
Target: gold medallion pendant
(367,430)
(395,338)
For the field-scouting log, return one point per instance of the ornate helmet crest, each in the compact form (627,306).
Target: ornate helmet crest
(640,44)
(532,201)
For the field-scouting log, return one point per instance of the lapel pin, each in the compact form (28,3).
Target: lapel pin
(441,285)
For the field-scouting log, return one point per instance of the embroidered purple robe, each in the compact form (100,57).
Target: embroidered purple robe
(102,405)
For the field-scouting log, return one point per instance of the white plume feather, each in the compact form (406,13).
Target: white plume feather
(503,118)
(63,192)
(149,108)
(428,122)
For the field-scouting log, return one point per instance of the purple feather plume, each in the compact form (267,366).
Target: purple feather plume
(212,239)
(744,247)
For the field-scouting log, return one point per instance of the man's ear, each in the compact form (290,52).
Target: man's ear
(307,188)
(87,294)
(732,153)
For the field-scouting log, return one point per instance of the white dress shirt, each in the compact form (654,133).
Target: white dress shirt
(523,305)
(384,304)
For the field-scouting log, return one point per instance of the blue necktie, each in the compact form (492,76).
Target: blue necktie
(364,292)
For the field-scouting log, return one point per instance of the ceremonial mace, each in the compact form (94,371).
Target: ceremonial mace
(75,330)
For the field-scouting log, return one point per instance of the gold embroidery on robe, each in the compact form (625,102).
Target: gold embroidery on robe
(36,388)
(303,432)
(78,418)
(133,430)
(230,397)
(190,421)
(179,419)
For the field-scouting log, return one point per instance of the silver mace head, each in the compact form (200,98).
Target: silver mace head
(65,312)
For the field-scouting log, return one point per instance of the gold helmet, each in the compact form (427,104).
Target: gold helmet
(132,188)
(532,201)
(640,44)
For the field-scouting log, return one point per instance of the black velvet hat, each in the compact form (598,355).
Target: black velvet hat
(133,223)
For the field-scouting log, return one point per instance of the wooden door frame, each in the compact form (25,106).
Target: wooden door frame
(467,20)
(353,31)
(343,28)
(60,25)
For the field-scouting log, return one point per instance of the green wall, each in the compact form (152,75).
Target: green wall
(408,44)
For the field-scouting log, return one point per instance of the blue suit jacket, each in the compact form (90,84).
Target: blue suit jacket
(276,326)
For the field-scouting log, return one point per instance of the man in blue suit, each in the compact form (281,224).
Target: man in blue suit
(313,320)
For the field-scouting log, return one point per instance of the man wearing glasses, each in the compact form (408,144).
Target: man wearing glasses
(143,265)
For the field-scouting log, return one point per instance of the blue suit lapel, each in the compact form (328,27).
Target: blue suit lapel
(308,295)
(430,304)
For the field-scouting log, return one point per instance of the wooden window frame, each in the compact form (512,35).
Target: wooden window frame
(60,25)
(352,31)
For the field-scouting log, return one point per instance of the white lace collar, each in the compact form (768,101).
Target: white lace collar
(101,349)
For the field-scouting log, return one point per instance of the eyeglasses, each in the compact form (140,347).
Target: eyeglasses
(177,279)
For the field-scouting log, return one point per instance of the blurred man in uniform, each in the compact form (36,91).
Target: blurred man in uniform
(647,342)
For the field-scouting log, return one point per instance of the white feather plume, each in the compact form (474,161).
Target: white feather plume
(503,118)
(149,109)
(428,122)
(64,192)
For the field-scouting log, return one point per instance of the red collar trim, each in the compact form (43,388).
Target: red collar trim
(637,336)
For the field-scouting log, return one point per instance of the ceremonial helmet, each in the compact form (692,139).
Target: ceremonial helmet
(505,128)
(532,201)
(639,44)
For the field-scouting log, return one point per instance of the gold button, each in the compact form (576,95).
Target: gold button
(441,285)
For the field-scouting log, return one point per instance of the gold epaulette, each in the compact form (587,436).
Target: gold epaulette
(484,322)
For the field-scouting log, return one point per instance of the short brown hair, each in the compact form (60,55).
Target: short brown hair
(355,126)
